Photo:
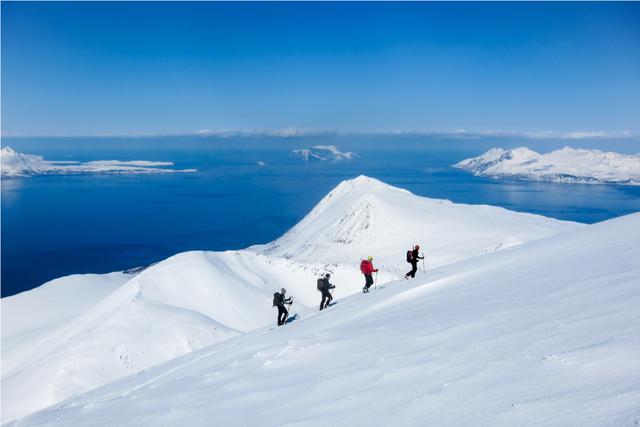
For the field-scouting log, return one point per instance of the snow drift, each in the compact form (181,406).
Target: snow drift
(543,334)
(122,324)
(567,165)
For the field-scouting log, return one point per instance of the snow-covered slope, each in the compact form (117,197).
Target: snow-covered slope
(565,165)
(197,299)
(544,334)
(14,164)
(184,303)
(364,216)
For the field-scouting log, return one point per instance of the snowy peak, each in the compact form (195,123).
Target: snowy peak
(496,157)
(364,183)
(364,216)
(352,189)
(567,165)
(7,152)
(16,164)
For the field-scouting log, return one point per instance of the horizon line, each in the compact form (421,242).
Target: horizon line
(293,132)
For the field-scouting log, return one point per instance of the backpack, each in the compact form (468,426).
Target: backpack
(409,256)
(320,284)
(277,299)
(363,269)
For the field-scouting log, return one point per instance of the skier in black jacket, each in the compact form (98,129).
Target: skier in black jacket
(279,300)
(412,258)
(324,286)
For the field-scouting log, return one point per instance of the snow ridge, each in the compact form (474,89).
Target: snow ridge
(567,165)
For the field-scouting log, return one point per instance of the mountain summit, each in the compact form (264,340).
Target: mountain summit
(364,216)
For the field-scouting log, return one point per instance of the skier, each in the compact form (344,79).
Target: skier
(366,266)
(324,286)
(279,300)
(412,258)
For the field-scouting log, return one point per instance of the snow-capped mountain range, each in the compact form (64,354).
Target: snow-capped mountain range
(567,165)
(323,152)
(14,164)
(509,304)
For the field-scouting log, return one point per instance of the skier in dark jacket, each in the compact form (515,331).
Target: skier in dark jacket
(279,300)
(412,257)
(324,286)
(366,266)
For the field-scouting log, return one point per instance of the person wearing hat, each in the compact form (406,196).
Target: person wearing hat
(324,286)
(279,300)
(412,257)
(366,267)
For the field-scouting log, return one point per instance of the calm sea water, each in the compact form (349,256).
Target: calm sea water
(58,225)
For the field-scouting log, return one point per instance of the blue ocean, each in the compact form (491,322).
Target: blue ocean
(247,190)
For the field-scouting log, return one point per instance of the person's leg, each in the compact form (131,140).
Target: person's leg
(369,281)
(282,315)
(329,297)
(324,297)
(414,268)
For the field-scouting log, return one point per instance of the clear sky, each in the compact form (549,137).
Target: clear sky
(127,68)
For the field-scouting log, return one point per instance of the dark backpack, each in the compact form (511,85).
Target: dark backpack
(409,256)
(320,284)
(277,299)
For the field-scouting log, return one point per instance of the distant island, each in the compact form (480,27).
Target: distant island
(567,165)
(323,152)
(16,164)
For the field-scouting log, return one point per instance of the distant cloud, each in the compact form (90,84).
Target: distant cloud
(543,134)
(294,132)
(288,132)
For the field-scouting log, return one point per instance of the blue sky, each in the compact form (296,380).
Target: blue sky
(130,68)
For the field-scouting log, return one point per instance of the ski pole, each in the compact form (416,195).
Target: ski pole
(375,282)
(424,269)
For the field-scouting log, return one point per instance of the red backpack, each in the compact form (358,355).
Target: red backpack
(363,266)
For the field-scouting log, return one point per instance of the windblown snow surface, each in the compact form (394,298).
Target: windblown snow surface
(14,164)
(567,165)
(541,333)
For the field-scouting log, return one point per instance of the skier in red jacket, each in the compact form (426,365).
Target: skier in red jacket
(366,266)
